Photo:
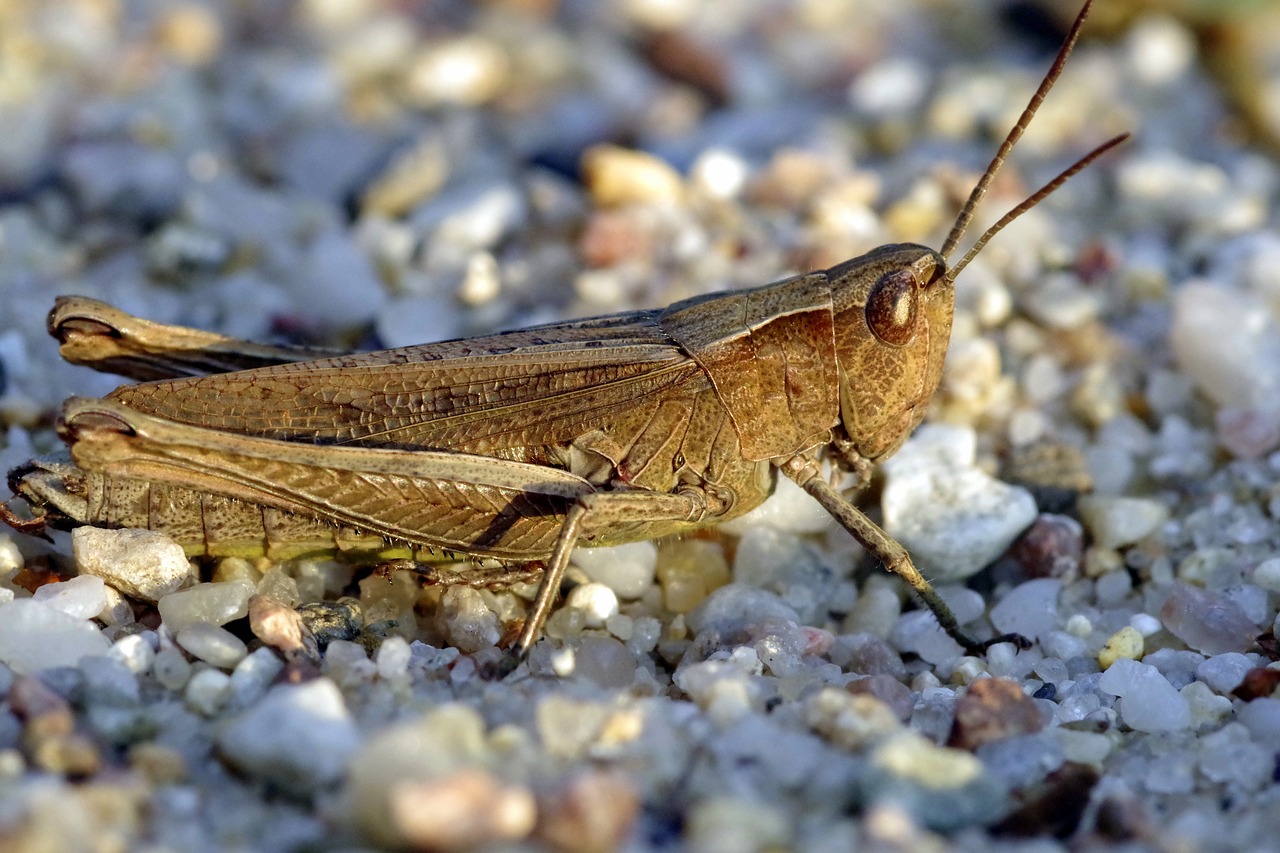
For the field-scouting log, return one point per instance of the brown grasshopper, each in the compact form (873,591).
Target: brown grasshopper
(523,445)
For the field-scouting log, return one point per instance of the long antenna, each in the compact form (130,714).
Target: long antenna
(980,190)
(1032,200)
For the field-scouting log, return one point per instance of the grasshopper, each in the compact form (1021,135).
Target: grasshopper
(523,445)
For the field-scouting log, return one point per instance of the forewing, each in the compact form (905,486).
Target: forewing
(531,387)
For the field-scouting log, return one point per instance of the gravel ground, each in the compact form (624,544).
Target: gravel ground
(1101,469)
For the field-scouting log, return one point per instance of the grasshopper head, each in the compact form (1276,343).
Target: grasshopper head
(893,309)
(57,492)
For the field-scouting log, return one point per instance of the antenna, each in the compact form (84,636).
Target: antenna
(980,189)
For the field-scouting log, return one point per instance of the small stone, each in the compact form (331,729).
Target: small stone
(732,608)
(280,627)
(1206,621)
(326,621)
(1052,547)
(135,652)
(469,623)
(1262,718)
(887,689)
(298,737)
(1207,707)
(392,659)
(1029,609)
(626,569)
(993,709)
(953,517)
(34,636)
(1224,672)
(911,756)
(207,691)
(617,176)
(1228,342)
(215,646)
(596,601)
(466,70)
(1248,433)
(211,603)
(1267,574)
(139,563)
(689,571)
(851,720)
(82,597)
(1148,702)
(461,811)
(252,676)
(722,823)
(171,669)
(1125,643)
(593,813)
(1116,522)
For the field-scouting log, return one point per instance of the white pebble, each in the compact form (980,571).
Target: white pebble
(215,646)
(1029,609)
(953,517)
(626,569)
(140,563)
(214,603)
(171,669)
(789,508)
(1262,718)
(1078,625)
(82,597)
(1224,672)
(1119,521)
(1144,623)
(1207,707)
(206,691)
(1148,702)
(135,652)
(35,636)
(252,676)
(1228,342)
(298,737)
(470,624)
(392,659)
(1267,574)
(596,601)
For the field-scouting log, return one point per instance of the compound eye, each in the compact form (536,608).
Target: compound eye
(891,308)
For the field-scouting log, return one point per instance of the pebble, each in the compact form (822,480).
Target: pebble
(993,709)
(1125,643)
(1148,702)
(594,812)
(207,691)
(279,626)
(1206,621)
(171,669)
(470,624)
(83,597)
(216,646)
(461,811)
(1228,342)
(953,518)
(628,570)
(35,636)
(1052,547)
(617,176)
(1029,609)
(1116,522)
(1224,673)
(211,603)
(135,652)
(139,563)
(789,508)
(689,571)
(298,737)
